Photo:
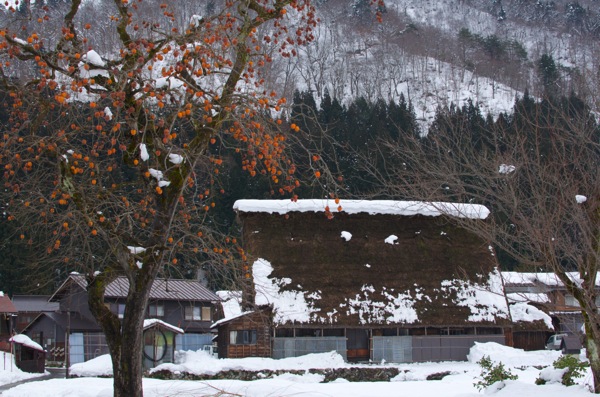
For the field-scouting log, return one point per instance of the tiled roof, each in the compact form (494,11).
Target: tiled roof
(162,289)
(6,305)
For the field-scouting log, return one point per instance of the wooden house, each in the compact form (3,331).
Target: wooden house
(183,304)
(373,280)
(31,306)
(8,314)
(547,292)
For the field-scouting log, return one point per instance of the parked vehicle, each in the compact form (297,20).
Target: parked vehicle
(211,349)
(554,342)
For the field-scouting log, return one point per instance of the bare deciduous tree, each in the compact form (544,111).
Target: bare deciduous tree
(539,174)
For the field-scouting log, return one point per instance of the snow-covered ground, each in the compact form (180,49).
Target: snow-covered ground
(410,381)
(9,373)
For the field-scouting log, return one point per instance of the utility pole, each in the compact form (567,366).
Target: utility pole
(67,341)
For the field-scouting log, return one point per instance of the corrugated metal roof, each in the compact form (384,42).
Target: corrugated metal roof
(6,305)
(76,321)
(34,303)
(166,289)
(163,289)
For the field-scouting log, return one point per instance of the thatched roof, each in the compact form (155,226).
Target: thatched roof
(388,268)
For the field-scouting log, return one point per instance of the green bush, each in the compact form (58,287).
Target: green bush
(491,373)
(575,368)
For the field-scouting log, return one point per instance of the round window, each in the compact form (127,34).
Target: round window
(155,344)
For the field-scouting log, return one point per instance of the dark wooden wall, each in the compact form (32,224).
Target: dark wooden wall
(258,321)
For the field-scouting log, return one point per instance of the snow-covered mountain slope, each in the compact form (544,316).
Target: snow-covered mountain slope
(434,52)
(417,51)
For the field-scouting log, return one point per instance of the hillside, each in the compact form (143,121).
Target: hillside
(434,51)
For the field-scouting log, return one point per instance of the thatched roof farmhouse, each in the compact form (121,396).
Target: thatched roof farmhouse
(376,280)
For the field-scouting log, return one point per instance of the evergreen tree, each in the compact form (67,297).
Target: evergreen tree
(548,74)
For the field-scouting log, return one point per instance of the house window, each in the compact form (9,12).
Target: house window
(206,313)
(192,313)
(571,301)
(452,331)
(156,310)
(197,313)
(242,337)
(120,310)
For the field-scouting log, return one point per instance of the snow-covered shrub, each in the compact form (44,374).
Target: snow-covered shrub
(492,373)
(565,370)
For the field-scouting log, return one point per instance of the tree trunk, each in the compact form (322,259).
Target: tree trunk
(129,381)
(123,337)
(593,355)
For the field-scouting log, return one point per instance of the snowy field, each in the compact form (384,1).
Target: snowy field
(411,381)
(9,373)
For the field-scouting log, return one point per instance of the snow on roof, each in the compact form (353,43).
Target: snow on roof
(152,322)
(231,302)
(524,312)
(346,235)
(388,207)
(486,302)
(528,297)
(26,341)
(549,279)
(287,305)
(227,319)
(395,308)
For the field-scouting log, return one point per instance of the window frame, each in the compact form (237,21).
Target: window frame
(243,337)
(156,310)
(205,313)
(192,313)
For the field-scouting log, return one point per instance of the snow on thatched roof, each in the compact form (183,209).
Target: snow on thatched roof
(387,207)
(231,302)
(434,273)
(485,302)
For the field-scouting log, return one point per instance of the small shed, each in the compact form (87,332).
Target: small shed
(29,355)
(245,335)
(159,342)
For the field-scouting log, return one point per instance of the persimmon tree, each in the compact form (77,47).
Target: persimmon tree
(537,171)
(110,158)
